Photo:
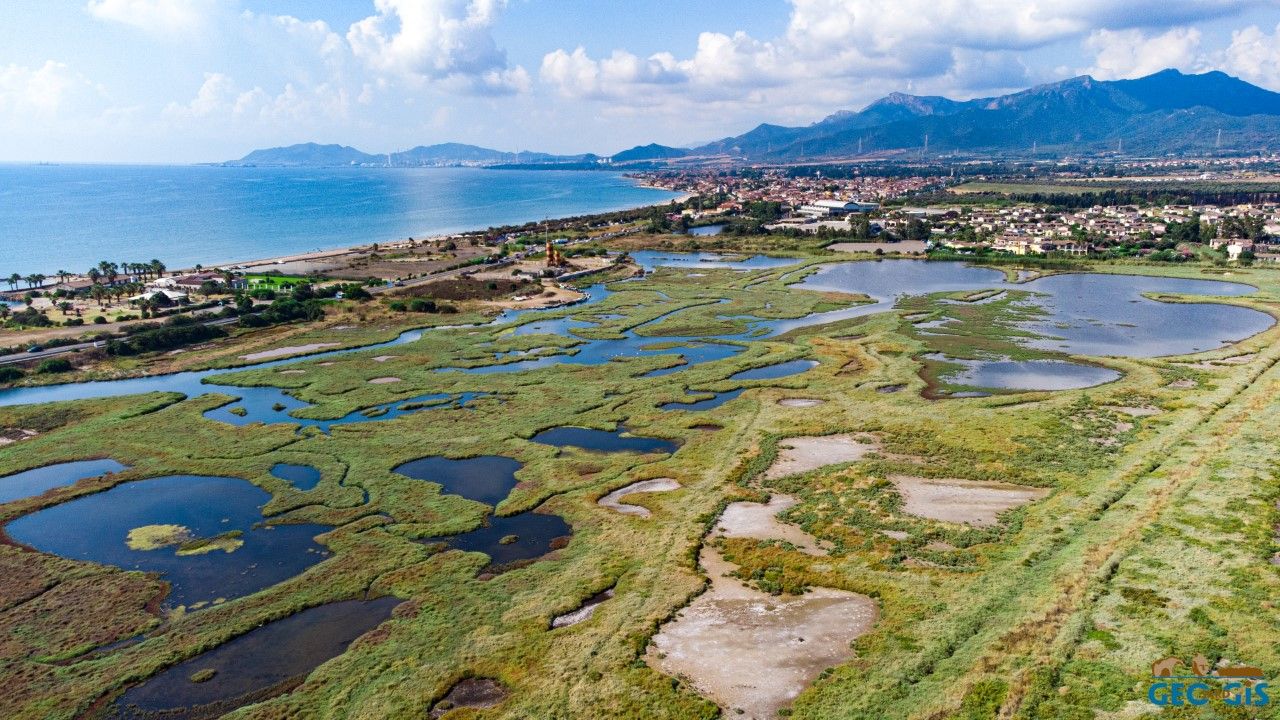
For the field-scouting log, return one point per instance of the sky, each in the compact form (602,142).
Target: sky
(180,81)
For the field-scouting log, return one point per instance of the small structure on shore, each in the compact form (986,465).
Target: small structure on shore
(554,258)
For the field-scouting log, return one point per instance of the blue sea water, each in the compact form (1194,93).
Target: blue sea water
(70,217)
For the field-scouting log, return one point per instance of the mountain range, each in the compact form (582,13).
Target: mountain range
(1167,112)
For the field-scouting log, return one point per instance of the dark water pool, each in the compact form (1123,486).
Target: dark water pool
(96,528)
(303,477)
(773,372)
(33,482)
(1027,374)
(248,667)
(715,401)
(511,539)
(603,440)
(485,479)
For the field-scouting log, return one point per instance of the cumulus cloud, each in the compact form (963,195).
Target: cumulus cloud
(161,17)
(437,40)
(46,92)
(1132,53)
(963,45)
(1254,55)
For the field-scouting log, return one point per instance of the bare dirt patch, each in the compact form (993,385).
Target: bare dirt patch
(8,436)
(760,521)
(962,501)
(1184,384)
(753,653)
(801,454)
(1135,411)
(584,613)
(292,350)
(613,500)
(905,247)
(384,358)
(470,693)
(800,402)
(385,381)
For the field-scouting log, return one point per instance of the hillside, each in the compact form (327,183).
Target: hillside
(1165,112)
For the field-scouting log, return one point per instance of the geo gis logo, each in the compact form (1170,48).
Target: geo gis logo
(1232,685)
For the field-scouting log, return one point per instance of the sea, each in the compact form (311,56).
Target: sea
(70,217)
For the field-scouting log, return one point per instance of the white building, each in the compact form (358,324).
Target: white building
(829,208)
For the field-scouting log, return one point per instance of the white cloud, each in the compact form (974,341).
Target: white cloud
(160,17)
(1132,53)
(46,92)
(965,46)
(220,98)
(437,40)
(1254,55)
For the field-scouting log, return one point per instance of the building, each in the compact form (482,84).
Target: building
(831,208)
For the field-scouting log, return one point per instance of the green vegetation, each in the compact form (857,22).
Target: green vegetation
(1155,538)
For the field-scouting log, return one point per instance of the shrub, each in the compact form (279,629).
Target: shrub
(99,320)
(423,306)
(164,338)
(9,374)
(398,306)
(54,365)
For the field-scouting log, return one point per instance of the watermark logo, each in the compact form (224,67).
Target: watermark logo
(1173,684)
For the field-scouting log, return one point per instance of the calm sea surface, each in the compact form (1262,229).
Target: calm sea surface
(72,216)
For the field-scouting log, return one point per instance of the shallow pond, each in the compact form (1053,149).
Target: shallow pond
(715,401)
(302,477)
(33,482)
(1086,313)
(652,259)
(705,230)
(505,540)
(603,440)
(1026,374)
(206,508)
(248,667)
(773,372)
(487,479)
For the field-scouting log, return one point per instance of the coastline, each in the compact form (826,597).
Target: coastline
(264,263)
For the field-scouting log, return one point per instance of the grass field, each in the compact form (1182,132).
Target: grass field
(1154,540)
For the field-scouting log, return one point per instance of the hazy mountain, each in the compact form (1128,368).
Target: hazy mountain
(1160,113)
(652,151)
(308,154)
(458,154)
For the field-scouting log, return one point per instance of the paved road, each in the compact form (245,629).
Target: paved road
(53,352)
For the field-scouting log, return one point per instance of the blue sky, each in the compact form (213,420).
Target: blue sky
(207,80)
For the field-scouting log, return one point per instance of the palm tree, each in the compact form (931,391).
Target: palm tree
(31,280)
(62,276)
(98,292)
(40,278)
(95,275)
(157,267)
(13,281)
(4,312)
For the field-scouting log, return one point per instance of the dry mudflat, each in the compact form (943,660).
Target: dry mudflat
(800,402)
(285,351)
(613,500)
(760,521)
(753,653)
(961,501)
(801,454)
